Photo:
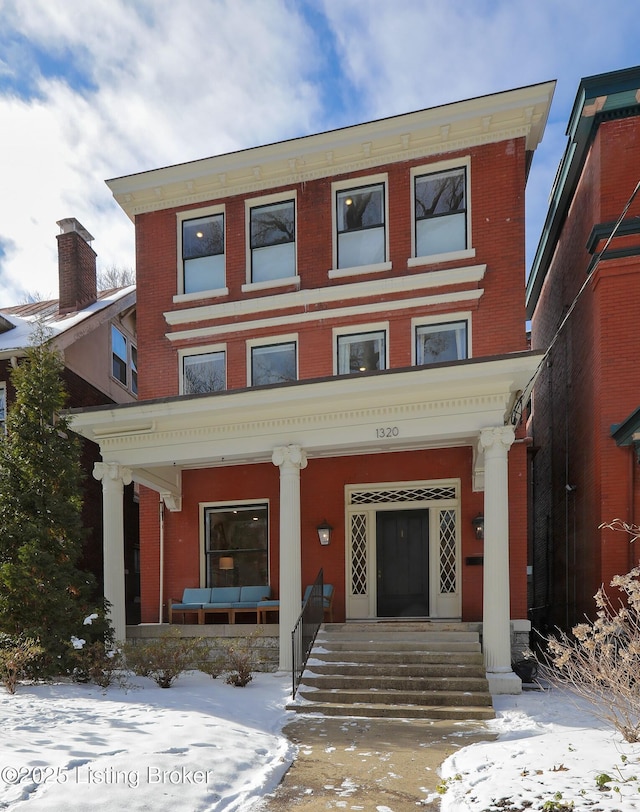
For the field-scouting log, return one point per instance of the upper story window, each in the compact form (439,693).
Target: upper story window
(360,226)
(204,372)
(3,407)
(273,363)
(203,253)
(124,360)
(361,352)
(440,200)
(446,341)
(272,241)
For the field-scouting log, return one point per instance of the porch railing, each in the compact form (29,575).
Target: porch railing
(306,628)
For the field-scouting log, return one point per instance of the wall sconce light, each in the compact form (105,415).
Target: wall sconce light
(478,526)
(324,533)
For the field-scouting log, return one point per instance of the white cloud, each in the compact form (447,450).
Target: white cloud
(121,86)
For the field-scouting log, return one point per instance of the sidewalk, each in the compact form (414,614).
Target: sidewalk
(369,765)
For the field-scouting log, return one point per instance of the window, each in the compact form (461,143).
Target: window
(440,212)
(124,360)
(205,372)
(273,363)
(360,224)
(203,253)
(361,352)
(3,407)
(236,545)
(441,342)
(272,241)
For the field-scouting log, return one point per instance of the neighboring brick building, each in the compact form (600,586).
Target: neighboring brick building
(333,328)
(585,425)
(95,333)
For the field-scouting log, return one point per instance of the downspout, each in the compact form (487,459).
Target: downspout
(161,590)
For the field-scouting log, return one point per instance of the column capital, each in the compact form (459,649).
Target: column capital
(113,471)
(496,437)
(289,455)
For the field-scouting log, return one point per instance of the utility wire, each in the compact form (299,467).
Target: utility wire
(518,407)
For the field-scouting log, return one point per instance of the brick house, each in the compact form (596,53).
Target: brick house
(95,334)
(582,297)
(332,330)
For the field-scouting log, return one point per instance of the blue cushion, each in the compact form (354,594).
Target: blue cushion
(269,603)
(187,607)
(224,594)
(223,605)
(196,596)
(254,593)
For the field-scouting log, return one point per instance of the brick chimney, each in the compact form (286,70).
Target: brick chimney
(76,267)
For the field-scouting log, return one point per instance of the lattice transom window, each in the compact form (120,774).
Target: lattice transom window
(403,494)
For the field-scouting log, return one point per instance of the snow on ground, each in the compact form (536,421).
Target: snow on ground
(199,745)
(550,750)
(206,746)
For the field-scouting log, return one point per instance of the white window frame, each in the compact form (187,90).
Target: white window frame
(257,202)
(130,346)
(357,329)
(195,214)
(193,351)
(434,169)
(442,318)
(270,341)
(3,402)
(357,183)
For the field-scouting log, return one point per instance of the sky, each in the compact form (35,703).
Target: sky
(205,745)
(96,89)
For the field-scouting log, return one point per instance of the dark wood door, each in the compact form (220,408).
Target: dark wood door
(402,558)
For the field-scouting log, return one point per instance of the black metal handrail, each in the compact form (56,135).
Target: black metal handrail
(306,628)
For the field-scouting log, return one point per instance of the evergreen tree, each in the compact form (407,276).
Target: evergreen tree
(43,594)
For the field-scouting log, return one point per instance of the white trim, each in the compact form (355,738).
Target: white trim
(265,200)
(411,283)
(453,256)
(356,183)
(194,214)
(180,298)
(335,313)
(440,604)
(189,352)
(267,341)
(341,273)
(249,287)
(441,318)
(202,506)
(433,169)
(356,329)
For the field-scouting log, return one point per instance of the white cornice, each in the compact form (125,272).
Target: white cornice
(282,322)
(433,407)
(520,113)
(320,296)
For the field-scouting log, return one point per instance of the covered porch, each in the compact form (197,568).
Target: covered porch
(467,404)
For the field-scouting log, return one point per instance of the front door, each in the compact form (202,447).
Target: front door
(402,563)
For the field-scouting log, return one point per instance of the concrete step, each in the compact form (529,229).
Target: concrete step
(382,682)
(395,669)
(372,710)
(398,658)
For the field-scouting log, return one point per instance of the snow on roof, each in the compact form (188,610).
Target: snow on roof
(23,318)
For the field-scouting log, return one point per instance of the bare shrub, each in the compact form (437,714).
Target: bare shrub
(241,659)
(163,660)
(17,655)
(101,664)
(600,660)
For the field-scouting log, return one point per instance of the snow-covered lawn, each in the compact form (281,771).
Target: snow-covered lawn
(204,745)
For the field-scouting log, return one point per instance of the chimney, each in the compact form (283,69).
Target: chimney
(76,267)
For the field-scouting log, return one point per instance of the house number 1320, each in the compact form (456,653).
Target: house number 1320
(387,431)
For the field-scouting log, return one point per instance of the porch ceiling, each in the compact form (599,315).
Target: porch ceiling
(391,411)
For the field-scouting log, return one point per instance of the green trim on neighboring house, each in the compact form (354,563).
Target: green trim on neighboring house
(628,432)
(599,98)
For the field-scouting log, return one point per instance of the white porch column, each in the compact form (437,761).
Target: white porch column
(114,477)
(496,623)
(290,459)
